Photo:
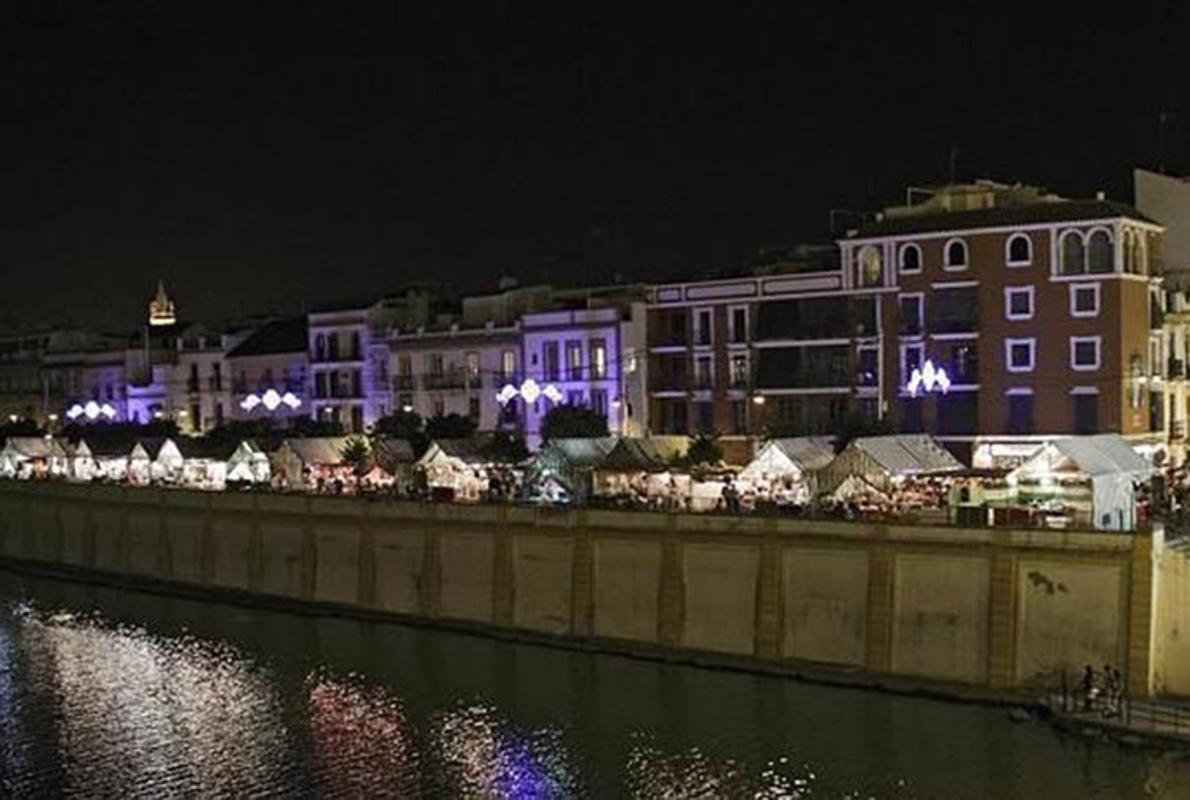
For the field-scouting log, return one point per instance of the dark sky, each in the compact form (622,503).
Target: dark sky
(258,155)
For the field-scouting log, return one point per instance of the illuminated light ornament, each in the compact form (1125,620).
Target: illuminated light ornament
(928,378)
(552,394)
(291,400)
(271,399)
(508,392)
(250,402)
(107,411)
(530,391)
(74,412)
(91,409)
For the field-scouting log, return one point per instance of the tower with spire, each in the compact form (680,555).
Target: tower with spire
(161,308)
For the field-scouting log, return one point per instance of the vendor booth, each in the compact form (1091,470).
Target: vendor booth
(393,462)
(248,465)
(639,472)
(456,469)
(29,457)
(785,470)
(1082,480)
(314,462)
(103,459)
(561,471)
(897,475)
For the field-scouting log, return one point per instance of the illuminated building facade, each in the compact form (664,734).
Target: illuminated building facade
(271,362)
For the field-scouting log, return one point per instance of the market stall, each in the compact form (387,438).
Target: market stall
(204,463)
(311,463)
(900,474)
(1081,480)
(561,471)
(101,459)
(393,461)
(458,469)
(639,472)
(784,471)
(248,464)
(29,457)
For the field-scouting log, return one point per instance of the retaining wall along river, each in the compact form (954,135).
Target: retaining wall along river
(985,611)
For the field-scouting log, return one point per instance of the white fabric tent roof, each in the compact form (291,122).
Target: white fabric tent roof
(1094,456)
(34,447)
(908,454)
(324,450)
(807,453)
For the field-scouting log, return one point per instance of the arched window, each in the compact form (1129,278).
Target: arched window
(1100,256)
(956,254)
(1020,249)
(910,258)
(1073,258)
(1129,243)
(871,268)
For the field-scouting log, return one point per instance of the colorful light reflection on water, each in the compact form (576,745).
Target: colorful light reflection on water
(106,693)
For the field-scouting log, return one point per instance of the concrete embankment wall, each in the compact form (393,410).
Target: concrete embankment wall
(989,610)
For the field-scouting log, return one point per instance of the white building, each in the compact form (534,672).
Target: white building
(268,371)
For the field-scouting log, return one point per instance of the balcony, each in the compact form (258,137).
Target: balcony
(1177,368)
(454,379)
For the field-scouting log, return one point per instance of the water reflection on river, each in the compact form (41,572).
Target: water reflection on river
(114,693)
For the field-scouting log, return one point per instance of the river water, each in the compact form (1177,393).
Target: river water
(113,693)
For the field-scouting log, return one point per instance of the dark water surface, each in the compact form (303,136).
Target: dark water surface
(108,693)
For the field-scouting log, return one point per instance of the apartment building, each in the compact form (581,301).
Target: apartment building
(200,393)
(349,356)
(269,373)
(22,383)
(790,344)
(1043,314)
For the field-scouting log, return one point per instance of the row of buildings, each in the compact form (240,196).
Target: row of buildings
(990,315)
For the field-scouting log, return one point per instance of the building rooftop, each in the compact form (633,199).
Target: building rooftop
(281,336)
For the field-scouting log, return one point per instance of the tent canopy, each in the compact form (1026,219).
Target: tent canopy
(906,455)
(326,451)
(800,455)
(1093,456)
(566,454)
(646,453)
(464,452)
(34,447)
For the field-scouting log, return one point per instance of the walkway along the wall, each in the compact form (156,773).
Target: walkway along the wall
(982,612)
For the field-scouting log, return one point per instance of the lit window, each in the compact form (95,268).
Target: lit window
(1084,353)
(598,359)
(1020,355)
(1084,300)
(1018,302)
(871,267)
(1020,250)
(956,254)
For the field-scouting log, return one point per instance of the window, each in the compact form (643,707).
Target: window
(1156,411)
(910,259)
(332,346)
(357,419)
(911,314)
(320,384)
(196,416)
(1020,250)
(356,384)
(1020,412)
(702,327)
(1084,299)
(956,254)
(217,377)
(218,415)
(1100,253)
(599,401)
(550,357)
(598,359)
(574,398)
(703,372)
(739,370)
(1072,257)
(574,361)
(473,409)
(435,365)
(738,324)
(1020,355)
(1018,302)
(1086,412)
(472,366)
(964,362)
(704,416)
(320,347)
(356,350)
(868,366)
(954,310)
(912,357)
(871,267)
(1084,353)
(508,363)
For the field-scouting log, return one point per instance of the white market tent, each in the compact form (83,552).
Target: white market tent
(248,464)
(795,461)
(101,459)
(301,461)
(562,467)
(882,461)
(456,464)
(1105,461)
(22,456)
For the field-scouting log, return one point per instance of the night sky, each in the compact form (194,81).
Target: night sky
(262,155)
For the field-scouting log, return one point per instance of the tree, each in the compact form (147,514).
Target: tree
(450,426)
(407,425)
(705,449)
(22,427)
(858,424)
(573,422)
(358,455)
(506,448)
